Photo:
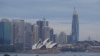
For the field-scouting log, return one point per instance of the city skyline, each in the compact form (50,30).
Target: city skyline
(22,34)
(58,13)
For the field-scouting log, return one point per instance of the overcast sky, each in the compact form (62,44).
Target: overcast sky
(58,13)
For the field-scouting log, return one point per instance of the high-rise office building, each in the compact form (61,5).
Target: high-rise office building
(75,26)
(18,33)
(52,37)
(35,37)
(28,36)
(46,32)
(41,24)
(14,31)
(21,31)
(5,32)
(73,38)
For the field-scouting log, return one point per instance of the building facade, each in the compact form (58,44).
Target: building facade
(52,36)
(5,32)
(18,33)
(35,38)
(41,24)
(28,36)
(46,32)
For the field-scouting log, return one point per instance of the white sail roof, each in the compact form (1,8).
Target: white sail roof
(46,43)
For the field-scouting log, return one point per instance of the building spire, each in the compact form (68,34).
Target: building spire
(75,11)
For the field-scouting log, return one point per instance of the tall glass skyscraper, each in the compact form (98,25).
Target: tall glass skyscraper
(75,27)
(74,36)
(41,24)
(5,32)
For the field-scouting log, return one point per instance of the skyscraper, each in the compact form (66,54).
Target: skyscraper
(41,24)
(5,32)
(75,27)
(46,32)
(18,33)
(35,38)
(52,38)
(28,36)
(73,38)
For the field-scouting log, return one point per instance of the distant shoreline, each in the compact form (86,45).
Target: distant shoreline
(43,53)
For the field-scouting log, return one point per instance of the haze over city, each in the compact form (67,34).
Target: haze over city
(58,13)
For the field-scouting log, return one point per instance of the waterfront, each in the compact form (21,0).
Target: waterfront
(60,54)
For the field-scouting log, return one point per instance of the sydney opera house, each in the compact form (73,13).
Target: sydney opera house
(46,44)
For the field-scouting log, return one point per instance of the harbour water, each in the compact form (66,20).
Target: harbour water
(60,54)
